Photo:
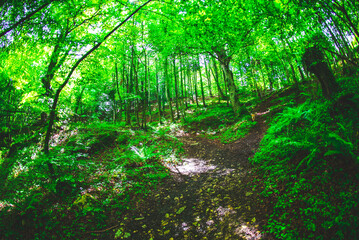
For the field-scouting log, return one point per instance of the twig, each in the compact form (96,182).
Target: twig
(105,230)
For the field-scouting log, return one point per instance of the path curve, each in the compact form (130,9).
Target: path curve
(210,196)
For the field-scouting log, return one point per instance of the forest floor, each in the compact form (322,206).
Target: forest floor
(212,194)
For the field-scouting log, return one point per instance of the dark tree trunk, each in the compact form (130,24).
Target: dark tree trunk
(313,60)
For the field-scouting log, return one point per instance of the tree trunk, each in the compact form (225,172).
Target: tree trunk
(158,96)
(118,91)
(190,90)
(208,75)
(167,79)
(313,59)
(195,86)
(176,87)
(224,61)
(201,82)
(78,101)
(216,79)
(145,96)
(182,99)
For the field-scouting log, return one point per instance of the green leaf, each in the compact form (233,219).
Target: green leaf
(179,211)
(331,152)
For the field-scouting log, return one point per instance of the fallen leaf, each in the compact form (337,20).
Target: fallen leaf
(248,194)
(181,210)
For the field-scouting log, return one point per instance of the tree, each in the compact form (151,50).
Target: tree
(314,61)
(12,9)
(67,79)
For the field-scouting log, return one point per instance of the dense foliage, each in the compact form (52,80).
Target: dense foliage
(309,159)
(92,93)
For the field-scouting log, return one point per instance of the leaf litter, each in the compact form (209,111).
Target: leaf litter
(210,196)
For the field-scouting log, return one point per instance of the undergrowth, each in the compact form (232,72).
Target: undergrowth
(210,118)
(231,133)
(100,168)
(309,162)
(218,122)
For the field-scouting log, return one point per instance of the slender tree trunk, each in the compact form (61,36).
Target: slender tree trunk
(216,79)
(182,78)
(183,97)
(201,82)
(138,94)
(145,96)
(176,87)
(167,79)
(158,96)
(185,88)
(149,96)
(195,87)
(349,21)
(118,91)
(190,90)
(208,75)
(225,86)
(54,64)
(78,101)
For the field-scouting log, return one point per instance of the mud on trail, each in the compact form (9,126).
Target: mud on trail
(211,195)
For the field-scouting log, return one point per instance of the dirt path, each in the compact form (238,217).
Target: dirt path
(209,197)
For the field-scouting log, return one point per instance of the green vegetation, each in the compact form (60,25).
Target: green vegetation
(218,122)
(101,168)
(210,118)
(237,130)
(98,98)
(309,161)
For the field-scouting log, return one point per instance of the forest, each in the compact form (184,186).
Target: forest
(179,119)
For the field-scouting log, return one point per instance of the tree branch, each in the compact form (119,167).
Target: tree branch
(341,56)
(25,18)
(57,95)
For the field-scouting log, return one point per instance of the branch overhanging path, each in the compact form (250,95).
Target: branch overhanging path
(67,79)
